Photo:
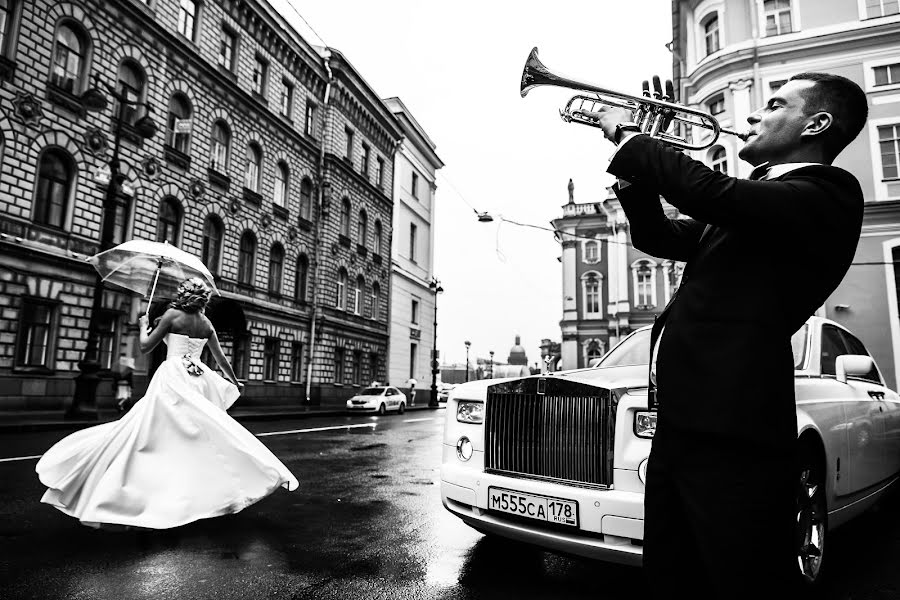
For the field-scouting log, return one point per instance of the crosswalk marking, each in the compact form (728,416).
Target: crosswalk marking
(417,420)
(372,425)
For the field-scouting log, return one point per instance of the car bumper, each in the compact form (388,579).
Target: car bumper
(367,407)
(611,525)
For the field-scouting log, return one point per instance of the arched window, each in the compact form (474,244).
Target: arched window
(591,283)
(342,289)
(718,160)
(345,217)
(300,278)
(178,135)
(220,151)
(644,279)
(591,252)
(276,268)
(281,184)
(7,22)
(376,301)
(362,228)
(594,350)
(56,177)
(306,189)
(376,241)
(711,33)
(358,295)
(70,57)
(254,167)
(212,243)
(133,81)
(246,258)
(169,221)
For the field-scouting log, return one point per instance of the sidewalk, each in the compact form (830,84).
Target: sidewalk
(28,421)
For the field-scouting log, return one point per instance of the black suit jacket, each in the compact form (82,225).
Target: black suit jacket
(774,252)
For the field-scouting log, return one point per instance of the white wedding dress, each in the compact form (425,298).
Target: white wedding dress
(174,458)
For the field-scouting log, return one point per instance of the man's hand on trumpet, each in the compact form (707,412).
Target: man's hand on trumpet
(609,118)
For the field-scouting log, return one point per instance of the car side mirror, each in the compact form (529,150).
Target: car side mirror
(852,365)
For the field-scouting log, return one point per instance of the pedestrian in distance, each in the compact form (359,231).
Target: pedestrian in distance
(176,456)
(762,255)
(412,391)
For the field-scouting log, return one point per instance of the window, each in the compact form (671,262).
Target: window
(310,126)
(300,278)
(254,166)
(341,300)
(297,362)
(414,312)
(413,351)
(131,80)
(287,98)
(260,76)
(122,216)
(373,366)
(413,232)
(889,144)
(246,258)
(414,186)
(644,279)
(856,347)
(227,47)
(718,160)
(376,241)
(276,268)
(349,149)
(887,74)
(358,295)
(832,347)
(364,167)
(169,221)
(187,18)
(212,243)
(179,130)
(357,367)
(7,17)
(56,176)
(379,172)
(376,301)
(69,69)
(270,359)
(221,147)
(281,184)
(711,33)
(594,350)
(345,217)
(778,16)
(339,366)
(306,188)
(591,252)
(34,341)
(716,106)
(591,295)
(240,359)
(362,228)
(881,8)
(107,338)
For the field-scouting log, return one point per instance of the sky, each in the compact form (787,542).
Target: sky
(457,67)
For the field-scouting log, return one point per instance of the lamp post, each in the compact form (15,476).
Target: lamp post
(435,285)
(84,400)
(467,343)
(491,352)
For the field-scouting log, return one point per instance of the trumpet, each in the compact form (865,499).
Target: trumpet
(653,112)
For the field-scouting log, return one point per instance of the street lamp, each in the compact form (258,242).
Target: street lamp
(467,343)
(435,285)
(84,401)
(491,352)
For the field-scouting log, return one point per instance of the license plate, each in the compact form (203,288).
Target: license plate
(542,508)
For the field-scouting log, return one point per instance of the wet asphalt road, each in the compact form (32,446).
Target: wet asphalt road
(367,522)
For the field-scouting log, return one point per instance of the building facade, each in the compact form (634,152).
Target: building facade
(729,56)
(412,333)
(273,162)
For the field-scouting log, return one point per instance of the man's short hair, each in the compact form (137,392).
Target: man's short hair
(846,102)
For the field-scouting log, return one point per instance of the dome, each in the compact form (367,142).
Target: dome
(517,354)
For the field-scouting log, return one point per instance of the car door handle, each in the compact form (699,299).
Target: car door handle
(876,395)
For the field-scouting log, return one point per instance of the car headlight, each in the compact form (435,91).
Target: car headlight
(470,412)
(645,423)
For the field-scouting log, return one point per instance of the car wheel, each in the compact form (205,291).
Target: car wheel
(812,516)
(402,408)
(382,410)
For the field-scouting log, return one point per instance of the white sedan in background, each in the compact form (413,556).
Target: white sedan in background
(378,399)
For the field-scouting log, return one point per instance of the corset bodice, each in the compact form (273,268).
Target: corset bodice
(179,345)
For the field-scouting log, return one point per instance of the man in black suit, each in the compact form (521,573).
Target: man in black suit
(762,256)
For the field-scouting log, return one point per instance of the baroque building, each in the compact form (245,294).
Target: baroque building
(273,162)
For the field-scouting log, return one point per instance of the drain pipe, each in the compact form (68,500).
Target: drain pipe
(320,197)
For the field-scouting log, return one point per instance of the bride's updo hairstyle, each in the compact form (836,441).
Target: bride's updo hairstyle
(193,295)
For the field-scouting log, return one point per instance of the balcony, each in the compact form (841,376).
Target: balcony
(218,179)
(177,157)
(254,198)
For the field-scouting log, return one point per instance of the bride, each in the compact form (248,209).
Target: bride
(177,456)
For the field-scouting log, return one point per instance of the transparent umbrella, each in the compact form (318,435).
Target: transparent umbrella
(149,267)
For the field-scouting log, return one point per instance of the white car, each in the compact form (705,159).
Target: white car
(559,461)
(378,399)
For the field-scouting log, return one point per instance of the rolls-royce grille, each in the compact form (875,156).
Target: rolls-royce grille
(563,435)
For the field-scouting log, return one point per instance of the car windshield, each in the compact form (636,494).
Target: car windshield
(372,391)
(798,346)
(634,350)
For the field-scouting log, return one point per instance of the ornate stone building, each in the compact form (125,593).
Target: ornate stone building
(273,162)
